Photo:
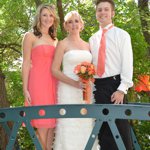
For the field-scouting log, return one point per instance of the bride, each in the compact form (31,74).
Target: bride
(71,134)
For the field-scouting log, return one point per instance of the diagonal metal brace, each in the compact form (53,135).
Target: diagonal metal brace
(94,134)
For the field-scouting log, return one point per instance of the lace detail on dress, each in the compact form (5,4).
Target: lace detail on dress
(92,91)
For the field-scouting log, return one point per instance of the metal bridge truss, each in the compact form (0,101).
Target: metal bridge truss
(18,115)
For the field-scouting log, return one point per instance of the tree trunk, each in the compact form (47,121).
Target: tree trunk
(144,16)
(38,2)
(3,103)
(3,96)
(61,16)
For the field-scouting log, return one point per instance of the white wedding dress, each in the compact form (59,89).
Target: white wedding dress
(73,134)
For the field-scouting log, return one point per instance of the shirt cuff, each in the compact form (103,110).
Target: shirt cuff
(123,87)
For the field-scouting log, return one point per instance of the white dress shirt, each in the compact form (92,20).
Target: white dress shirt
(119,56)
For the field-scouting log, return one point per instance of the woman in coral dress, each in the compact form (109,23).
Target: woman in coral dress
(39,86)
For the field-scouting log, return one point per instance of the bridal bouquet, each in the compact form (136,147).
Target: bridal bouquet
(86,72)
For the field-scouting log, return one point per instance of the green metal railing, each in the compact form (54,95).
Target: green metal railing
(19,115)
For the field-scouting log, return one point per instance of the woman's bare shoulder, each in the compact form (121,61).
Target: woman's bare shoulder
(29,35)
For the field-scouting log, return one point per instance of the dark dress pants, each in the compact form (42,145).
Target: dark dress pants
(104,89)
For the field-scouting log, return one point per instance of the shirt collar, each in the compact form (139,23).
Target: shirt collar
(106,27)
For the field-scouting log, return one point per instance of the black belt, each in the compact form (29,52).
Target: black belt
(115,77)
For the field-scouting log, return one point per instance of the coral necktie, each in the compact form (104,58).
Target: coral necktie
(102,53)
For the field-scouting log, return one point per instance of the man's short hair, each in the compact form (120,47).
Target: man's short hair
(109,1)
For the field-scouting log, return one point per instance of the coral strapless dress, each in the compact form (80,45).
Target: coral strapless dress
(42,85)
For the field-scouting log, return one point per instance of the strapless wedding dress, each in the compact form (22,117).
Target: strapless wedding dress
(73,134)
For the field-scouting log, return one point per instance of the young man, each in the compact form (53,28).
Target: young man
(112,55)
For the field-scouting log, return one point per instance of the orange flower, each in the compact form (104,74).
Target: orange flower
(83,69)
(92,79)
(85,63)
(86,72)
(77,69)
(143,83)
(90,72)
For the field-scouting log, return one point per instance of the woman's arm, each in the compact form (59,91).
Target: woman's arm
(27,46)
(56,66)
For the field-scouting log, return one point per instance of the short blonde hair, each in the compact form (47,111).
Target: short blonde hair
(37,24)
(70,15)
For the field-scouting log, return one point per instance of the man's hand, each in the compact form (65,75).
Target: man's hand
(117,97)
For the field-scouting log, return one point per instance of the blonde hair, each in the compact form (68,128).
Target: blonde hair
(37,23)
(70,15)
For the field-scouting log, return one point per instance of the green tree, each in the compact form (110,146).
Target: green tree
(16,19)
(144,12)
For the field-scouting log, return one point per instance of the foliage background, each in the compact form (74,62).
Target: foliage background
(16,19)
